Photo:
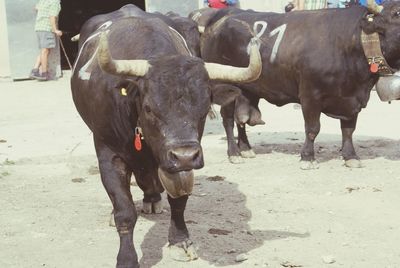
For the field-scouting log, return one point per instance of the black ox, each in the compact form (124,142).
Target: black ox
(146,99)
(314,58)
(185,26)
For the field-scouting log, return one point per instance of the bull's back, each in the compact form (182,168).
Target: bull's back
(309,45)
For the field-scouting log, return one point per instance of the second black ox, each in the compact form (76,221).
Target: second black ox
(315,58)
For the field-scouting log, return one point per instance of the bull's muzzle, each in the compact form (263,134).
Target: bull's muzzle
(185,157)
(176,175)
(177,184)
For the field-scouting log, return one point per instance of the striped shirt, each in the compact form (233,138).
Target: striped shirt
(314,4)
(45,10)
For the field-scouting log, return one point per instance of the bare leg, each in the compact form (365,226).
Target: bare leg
(37,63)
(44,54)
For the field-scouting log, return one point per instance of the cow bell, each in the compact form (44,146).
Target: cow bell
(388,87)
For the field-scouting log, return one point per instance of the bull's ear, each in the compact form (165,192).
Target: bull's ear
(373,24)
(223,94)
(126,87)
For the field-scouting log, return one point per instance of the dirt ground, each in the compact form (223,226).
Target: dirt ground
(265,212)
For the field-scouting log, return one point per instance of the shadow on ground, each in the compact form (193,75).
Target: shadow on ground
(327,147)
(217,219)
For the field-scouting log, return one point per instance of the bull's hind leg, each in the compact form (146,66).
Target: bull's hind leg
(115,176)
(178,236)
(349,154)
(311,114)
(147,180)
(228,121)
(243,142)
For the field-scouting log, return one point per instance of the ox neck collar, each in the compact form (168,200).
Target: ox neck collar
(372,50)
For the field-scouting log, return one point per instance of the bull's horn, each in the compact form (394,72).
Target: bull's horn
(75,38)
(238,74)
(119,67)
(373,7)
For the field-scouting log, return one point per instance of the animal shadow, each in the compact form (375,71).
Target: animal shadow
(217,219)
(327,147)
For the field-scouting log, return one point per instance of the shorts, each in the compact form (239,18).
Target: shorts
(46,39)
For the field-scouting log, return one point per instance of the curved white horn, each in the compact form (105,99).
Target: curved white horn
(238,74)
(119,67)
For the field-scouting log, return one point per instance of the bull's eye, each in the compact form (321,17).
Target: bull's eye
(147,109)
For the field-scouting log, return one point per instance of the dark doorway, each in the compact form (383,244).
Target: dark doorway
(75,12)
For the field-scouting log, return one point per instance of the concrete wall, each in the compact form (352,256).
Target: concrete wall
(182,7)
(264,5)
(4,49)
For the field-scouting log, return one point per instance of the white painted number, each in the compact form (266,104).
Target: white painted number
(280,31)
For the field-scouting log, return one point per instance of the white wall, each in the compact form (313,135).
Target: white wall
(4,50)
(264,5)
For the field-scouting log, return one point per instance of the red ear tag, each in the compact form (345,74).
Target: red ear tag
(138,139)
(373,67)
(138,142)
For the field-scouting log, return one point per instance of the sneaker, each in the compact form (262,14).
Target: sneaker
(34,73)
(43,77)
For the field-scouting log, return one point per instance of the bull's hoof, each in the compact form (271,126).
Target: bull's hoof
(353,163)
(183,251)
(158,207)
(149,207)
(234,159)
(248,154)
(307,165)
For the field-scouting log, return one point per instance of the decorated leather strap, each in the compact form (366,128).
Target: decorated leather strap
(372,50)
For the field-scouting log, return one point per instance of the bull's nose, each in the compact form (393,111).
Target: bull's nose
(186,157)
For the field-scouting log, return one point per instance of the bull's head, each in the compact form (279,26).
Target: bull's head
(387,23)
(172,105)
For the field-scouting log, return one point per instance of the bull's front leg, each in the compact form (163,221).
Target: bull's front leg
(311,114)
(350,157)
(228,121)
(115,176)
(178,236)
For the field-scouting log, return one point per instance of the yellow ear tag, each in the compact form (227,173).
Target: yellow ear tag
(123,92)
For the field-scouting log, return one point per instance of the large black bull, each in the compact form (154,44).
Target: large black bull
(315,58)
(145,98)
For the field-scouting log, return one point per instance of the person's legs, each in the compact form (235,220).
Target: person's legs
(35,71)
(44,54)
(46,42)
(37,63)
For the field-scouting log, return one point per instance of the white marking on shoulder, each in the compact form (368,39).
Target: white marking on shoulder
(83,74)
(102,27)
